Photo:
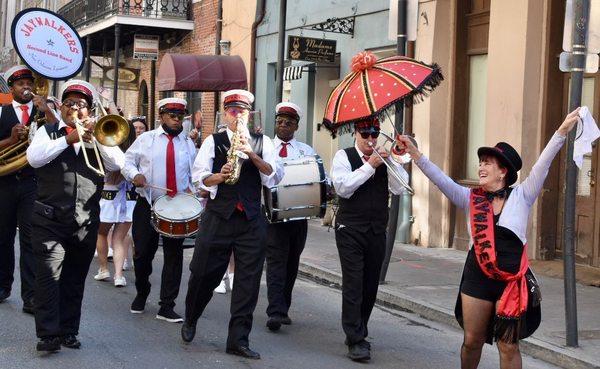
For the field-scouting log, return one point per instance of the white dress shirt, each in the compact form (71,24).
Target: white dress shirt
(147,156)
(204,163)
(19,112)
(44,149)
(347,181)
(295,148)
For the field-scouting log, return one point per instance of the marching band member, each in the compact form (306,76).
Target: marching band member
(285,241)
(117,201)
(363,185)
(17,190)
(231,222)
(160,157)
(65,215)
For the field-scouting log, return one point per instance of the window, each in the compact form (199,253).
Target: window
(476,111)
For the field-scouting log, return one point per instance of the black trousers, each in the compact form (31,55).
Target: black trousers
(145,239)
(63,253)
(217,239)
(361,256)
(285,242)
(17,197)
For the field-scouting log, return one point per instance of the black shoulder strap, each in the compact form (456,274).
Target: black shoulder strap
(353,158)
(221,142)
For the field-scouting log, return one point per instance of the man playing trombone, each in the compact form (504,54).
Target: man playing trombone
(65,216)
(363,182)
(18,185)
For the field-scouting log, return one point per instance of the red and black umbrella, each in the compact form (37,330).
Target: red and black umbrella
(376,85)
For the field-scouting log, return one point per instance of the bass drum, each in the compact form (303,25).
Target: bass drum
(301,194)
(177,216)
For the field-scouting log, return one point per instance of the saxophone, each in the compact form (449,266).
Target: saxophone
(235,157)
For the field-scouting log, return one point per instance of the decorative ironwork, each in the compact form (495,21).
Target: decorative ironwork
(96,10)
(337,25)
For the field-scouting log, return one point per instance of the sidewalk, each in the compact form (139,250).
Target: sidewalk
(425,281)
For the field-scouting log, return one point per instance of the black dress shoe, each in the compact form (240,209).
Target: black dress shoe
(70,341)
(188,331)
(360,351)
(28,309)
(243,351)
(4,294)
(286,320)
(274,323)
(49,344)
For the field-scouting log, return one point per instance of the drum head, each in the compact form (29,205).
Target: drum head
(180,207)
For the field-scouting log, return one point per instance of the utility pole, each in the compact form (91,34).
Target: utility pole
(401,39)
(579,35)
(280,50)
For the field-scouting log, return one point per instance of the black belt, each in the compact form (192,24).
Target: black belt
(110,195)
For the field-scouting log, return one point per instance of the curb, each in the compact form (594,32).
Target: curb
(531,346)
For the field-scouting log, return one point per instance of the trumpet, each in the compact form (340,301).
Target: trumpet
(110,130)
(389,162)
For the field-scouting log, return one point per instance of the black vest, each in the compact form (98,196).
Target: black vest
(9,119)
(68,185)
(368,206)
(247,189)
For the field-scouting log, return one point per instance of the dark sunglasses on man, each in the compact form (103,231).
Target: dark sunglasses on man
(365,133)
(177,116)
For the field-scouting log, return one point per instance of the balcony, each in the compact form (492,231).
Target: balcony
(101,20)
(99,10)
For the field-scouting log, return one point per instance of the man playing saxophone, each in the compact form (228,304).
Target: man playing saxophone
(232,221)
(17,183)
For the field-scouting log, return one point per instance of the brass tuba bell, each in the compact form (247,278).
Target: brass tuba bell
(13,158)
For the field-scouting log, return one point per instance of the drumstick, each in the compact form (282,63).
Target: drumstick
(158,187)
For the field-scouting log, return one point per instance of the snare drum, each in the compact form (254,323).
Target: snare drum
(177,216)
(301,194)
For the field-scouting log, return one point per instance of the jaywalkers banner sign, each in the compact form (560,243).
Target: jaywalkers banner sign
(47,43)
(311,49)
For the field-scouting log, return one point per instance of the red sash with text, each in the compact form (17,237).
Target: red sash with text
(513,303)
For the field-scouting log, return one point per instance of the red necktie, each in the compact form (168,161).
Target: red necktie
(24,114)
(69,129)
(171,176)
(366,157)
(283,151)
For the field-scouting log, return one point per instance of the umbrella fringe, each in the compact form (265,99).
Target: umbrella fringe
(414,97)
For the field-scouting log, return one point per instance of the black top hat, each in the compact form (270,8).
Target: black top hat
(508,157)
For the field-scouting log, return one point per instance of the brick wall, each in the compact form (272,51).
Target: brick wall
(200,41)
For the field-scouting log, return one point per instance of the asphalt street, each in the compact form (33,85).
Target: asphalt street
(113,338)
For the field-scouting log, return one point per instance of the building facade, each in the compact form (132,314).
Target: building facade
(502,83)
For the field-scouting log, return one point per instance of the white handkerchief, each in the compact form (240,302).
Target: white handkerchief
(587,133)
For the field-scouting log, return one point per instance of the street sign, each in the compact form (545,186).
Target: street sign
(412,18)
(566,62)
(311,49)
(128,78)
(145,47)
(593,35)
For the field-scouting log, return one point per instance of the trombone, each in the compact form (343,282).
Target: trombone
(110,130)
(389,162)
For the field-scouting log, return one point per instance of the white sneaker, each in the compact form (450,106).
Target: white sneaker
(230,278)
(102,275)
(221,288)
(120,282)
(125,265)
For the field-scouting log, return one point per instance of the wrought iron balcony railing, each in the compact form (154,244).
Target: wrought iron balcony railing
(84,12)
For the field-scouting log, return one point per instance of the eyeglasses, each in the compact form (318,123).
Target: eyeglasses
(285,122)
(176,116)
(366,134)
(71,103)
(236,111)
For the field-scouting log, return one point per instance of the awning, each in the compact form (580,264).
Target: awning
(190,72)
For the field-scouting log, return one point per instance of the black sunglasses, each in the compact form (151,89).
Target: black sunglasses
(366,134)
(176,116)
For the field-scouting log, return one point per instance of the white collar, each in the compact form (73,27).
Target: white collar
(360,153)
(17,104)
(277,141)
